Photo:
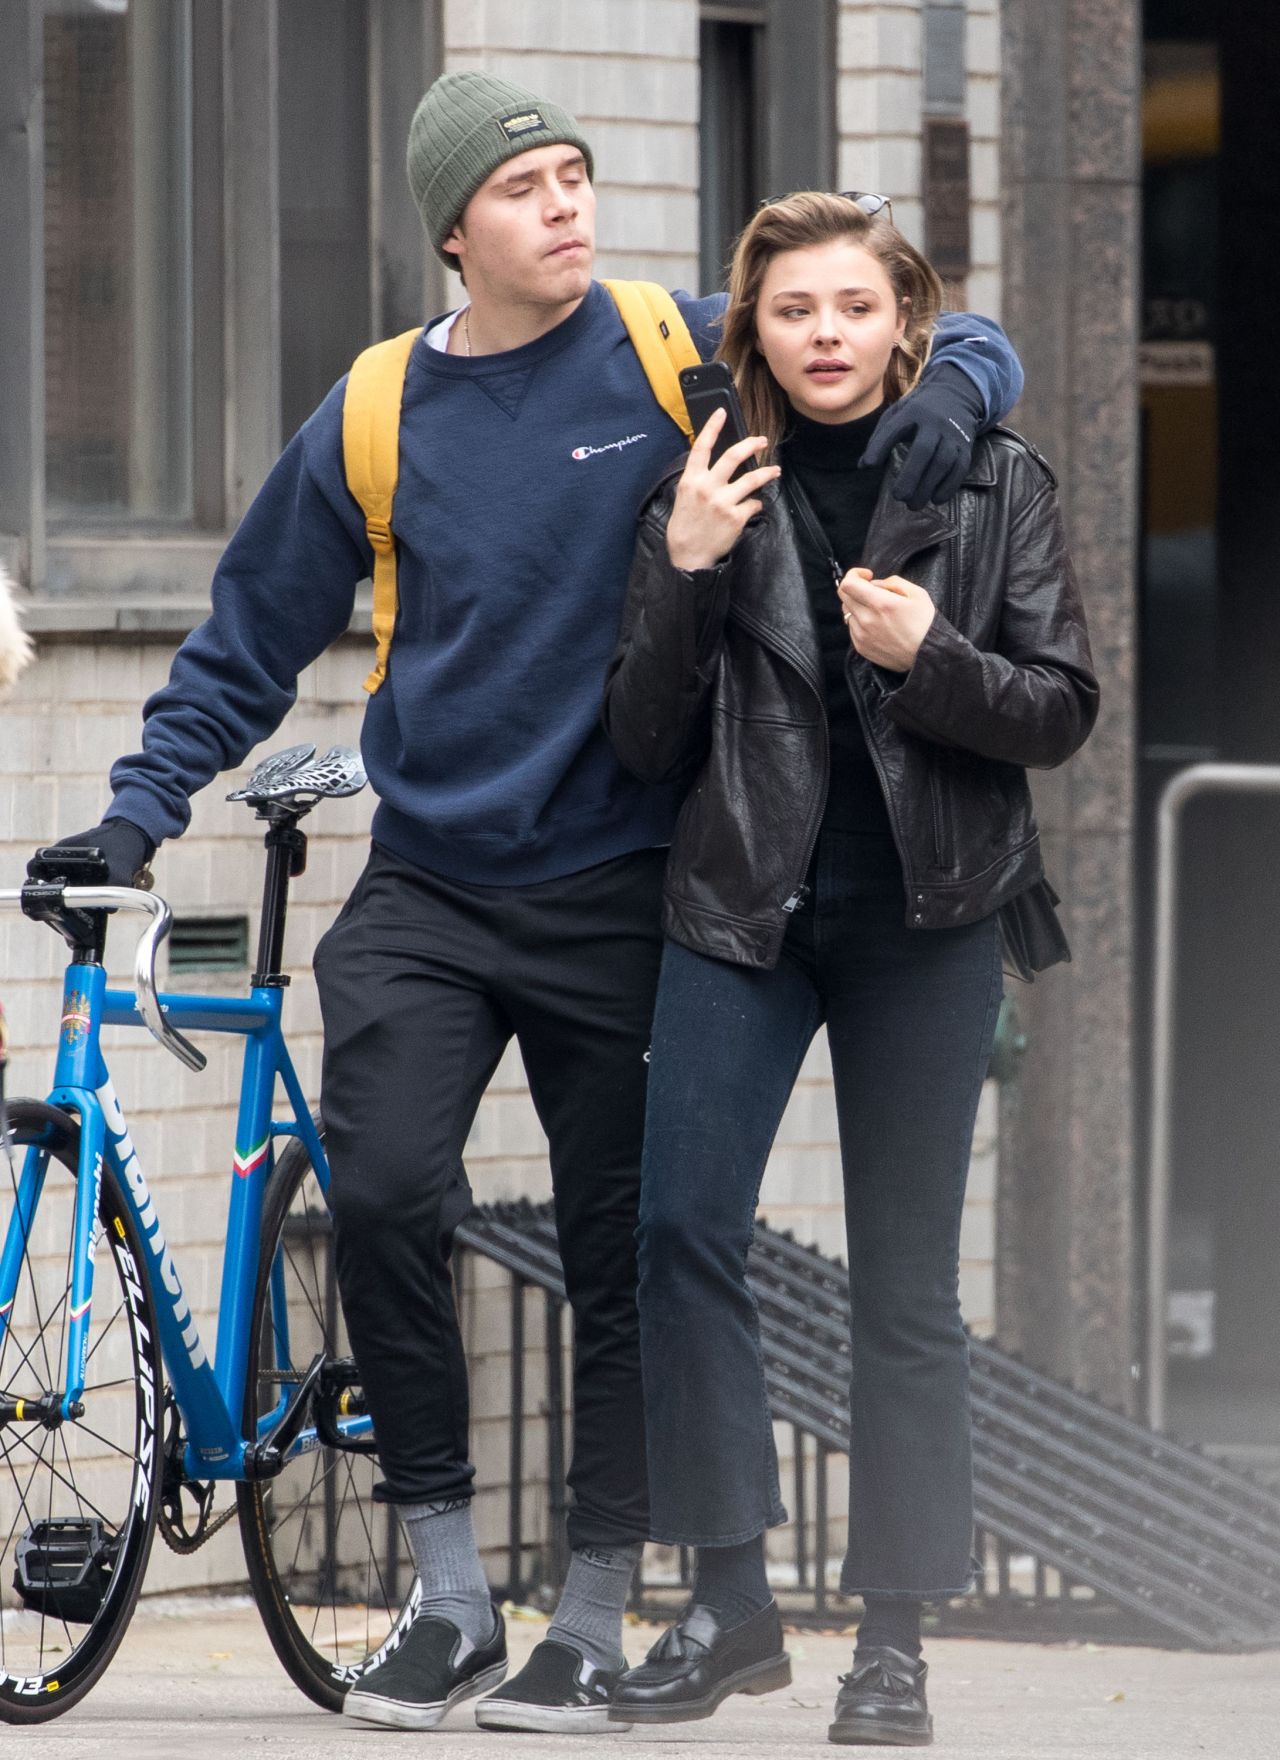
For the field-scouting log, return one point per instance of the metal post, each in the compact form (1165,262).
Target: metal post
(555,1438)
(332,1322)
(515,1512)
(820,1529)
(801,1515)
(1196,780)
(393,1556)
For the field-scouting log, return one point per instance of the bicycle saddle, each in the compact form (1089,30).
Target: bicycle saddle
(297,777)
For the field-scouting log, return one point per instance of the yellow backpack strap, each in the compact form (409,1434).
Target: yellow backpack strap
(371,459)
(661,338)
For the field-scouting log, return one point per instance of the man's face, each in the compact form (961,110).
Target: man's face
(527,236)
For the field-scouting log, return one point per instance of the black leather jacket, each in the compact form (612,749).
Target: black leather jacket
(717,679)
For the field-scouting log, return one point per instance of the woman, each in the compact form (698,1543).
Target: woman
(853,692)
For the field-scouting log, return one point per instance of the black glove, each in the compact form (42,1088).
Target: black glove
(125,847)
(945,413)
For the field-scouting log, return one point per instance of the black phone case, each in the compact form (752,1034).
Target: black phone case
(711,387)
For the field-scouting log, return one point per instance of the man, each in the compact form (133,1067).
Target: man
(513,886)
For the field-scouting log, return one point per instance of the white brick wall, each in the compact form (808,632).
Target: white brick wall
(628,70)
(982,105)
(878,105)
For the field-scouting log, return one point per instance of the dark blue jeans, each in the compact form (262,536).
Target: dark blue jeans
(910,1019)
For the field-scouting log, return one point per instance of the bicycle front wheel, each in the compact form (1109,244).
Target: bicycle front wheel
(327,1566)
(78,1496)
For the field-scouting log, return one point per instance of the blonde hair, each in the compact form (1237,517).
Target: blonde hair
(792,223)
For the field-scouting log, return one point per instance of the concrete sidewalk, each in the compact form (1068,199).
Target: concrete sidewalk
(199,1679)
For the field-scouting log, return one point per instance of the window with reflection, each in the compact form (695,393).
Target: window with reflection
(117,242)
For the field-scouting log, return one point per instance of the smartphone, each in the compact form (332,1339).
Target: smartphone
(709,387)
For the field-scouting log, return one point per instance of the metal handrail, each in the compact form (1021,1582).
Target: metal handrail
(128,898)
(1187,785)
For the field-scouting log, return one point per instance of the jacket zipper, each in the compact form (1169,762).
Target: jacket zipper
(837,576)
(865,718)
(935,802)
(799,891)
(886,791)
(935,805)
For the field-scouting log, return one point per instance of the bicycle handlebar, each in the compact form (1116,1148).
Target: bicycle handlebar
(126,898)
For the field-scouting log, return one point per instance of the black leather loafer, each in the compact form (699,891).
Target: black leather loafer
(696,1664)
(881,1701)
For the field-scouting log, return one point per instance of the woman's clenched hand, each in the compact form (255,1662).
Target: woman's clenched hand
(887,619)
(710,511)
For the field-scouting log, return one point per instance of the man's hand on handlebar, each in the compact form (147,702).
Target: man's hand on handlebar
(125,848)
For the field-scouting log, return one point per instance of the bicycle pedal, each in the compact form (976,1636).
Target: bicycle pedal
(64,1568)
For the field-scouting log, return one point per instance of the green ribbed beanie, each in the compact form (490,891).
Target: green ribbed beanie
(465,127)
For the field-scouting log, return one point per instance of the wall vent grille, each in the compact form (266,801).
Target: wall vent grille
(209,944)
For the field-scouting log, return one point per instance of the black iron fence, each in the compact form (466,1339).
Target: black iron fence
(1088,1523)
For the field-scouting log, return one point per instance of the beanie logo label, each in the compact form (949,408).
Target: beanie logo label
(520,122)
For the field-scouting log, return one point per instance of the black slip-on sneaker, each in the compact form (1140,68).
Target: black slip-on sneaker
(881,1702)
(435,1667)
(558,1691)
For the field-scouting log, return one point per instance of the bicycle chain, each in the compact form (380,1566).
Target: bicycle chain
(178,1540)
(173,1483)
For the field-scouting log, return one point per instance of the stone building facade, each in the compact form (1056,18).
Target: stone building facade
(873,96)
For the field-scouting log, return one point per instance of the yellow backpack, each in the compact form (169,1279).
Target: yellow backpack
(371,427)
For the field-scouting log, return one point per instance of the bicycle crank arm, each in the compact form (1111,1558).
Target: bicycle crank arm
(265,1458)
(341,1410)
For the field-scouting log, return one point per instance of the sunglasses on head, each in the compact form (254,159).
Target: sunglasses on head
(870,204)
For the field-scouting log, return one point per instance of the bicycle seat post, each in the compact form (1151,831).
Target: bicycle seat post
(283,788)
(286,847)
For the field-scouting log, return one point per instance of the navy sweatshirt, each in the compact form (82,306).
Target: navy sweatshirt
(521,475)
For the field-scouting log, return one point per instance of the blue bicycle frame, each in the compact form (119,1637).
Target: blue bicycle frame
(210,1394)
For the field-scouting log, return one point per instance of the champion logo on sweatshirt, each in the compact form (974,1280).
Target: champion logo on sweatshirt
(581,452)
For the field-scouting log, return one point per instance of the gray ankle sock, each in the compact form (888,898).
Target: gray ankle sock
(442,1540)
(589,1616)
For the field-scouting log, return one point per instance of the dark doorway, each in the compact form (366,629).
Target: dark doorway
(1210,689)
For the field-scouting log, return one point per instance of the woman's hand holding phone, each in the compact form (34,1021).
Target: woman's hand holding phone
(887,619)
(711,510)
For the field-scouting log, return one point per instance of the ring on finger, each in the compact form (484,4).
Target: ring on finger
(848,616)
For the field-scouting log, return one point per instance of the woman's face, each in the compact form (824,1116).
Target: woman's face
(826,323)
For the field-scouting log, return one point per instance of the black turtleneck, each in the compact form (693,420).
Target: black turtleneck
(824,457)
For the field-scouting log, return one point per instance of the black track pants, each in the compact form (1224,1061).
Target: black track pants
(422,983)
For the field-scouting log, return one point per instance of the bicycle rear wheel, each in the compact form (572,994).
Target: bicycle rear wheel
(327,1565)
(77,1497)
